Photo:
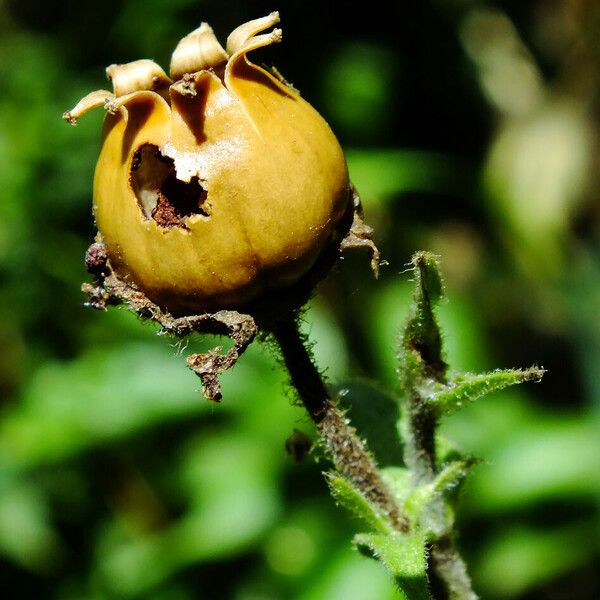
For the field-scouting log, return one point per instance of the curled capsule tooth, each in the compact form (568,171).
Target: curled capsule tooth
(137,76)
(196,51)
(69,118)
(87,103)
(241,36)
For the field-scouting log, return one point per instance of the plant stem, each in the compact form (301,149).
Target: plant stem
(450,569)
(347,451)
(448,572)
(422,365)
(420,441)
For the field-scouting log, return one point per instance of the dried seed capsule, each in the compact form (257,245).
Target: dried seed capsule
(218,188)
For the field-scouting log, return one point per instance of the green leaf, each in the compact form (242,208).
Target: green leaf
(421,347)
(374,414)
(350,498)
(403,556)
(383,174)
(229,481)
(426,495)
(544,457)
(361,73)
(532,557)
(398,481)
(430,288)
(467,387)
(26,532)
(343,575)
(70,406)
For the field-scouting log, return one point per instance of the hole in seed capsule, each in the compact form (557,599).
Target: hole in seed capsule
(160,195)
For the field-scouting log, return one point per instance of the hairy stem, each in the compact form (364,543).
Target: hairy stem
(420,438)
(450,570)
(423,367)
(346,450)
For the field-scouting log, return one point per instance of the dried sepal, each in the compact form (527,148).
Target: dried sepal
(109,289)
(360,235)
(87,103)
(137,76)
(244,38)
(196,51)
(120,105)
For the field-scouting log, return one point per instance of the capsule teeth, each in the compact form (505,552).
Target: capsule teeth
(137,76)
(198,50)
(69,118)
(87,103)
(244,36)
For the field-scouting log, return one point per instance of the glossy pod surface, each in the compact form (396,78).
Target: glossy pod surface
(220,186)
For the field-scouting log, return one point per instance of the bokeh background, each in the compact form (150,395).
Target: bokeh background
(471,130)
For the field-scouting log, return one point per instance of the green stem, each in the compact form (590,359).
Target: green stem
(423,366)
(448,572)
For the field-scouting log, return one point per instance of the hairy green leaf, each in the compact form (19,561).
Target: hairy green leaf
(350,498)
(467,387)
(398,482)
(403,556)
(425,495)
(421,357)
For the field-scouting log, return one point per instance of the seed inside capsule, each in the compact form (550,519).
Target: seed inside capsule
(161,196)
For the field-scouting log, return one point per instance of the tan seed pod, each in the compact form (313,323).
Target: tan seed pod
(220,188)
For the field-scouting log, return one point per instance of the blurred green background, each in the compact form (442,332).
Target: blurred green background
(472,130)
